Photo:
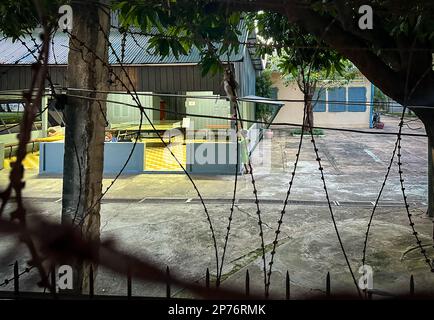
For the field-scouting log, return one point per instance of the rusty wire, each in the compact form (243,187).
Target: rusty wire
(397,151)
(32,101)
(17,173)
(135,98)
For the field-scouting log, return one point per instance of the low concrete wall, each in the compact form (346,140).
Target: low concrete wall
(115,155)
(212,158)
(11,138)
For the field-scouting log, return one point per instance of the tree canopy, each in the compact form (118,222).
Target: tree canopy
(396,55)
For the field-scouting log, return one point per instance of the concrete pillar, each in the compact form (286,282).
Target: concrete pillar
(44,115)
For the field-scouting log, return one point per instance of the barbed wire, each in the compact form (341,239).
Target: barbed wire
(18,124)
(290,124)
(258,210)
(305,80)
(285,202)
(214,241)
(226,118)
(397,150)
(383,185)
(136,98)
(252,98)
(242,119)
(407,206)
(22,273)
(213,236)
(16,62)
(234,193)
(52,45)
(54,94)
(320,168)
(16,185)
(165,144)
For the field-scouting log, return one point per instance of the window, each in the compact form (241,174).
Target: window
(12,107)
(357,95)
(319,101)
(337,99)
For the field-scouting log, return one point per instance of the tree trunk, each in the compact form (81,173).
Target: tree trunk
(308,120)
(430,177)
(84,137)
(427,117)
(430,133)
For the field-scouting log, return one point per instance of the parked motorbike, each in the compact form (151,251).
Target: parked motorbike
(376,121)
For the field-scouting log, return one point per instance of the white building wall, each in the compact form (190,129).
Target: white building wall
(292,112)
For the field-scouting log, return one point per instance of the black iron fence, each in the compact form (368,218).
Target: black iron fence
(54,293)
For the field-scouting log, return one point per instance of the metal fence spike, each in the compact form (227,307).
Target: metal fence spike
(328,284)
(288,288)
(91,282)
(53,281)
(247,283)
(129,286)
(207,278)
(16,279)
(411,285)
(167,282)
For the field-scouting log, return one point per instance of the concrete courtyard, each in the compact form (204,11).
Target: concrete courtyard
(159,216)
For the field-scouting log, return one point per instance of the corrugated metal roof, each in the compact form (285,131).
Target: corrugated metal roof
(136,50)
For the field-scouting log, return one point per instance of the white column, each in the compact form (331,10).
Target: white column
(44,115)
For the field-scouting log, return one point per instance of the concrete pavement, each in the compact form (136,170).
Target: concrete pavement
(158,216)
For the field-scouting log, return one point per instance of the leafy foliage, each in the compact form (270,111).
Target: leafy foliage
(176,26)
(20,17)
(290,41)
(299,56)
(264,88)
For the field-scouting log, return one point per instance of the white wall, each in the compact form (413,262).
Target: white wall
(293,111)
(119,113)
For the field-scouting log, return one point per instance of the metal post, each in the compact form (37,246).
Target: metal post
(247,283)
(411,285)
(167,282)
(129,290)
(207,278)
(53,281)
(288,288)
(16,280)
(91,291)
(328,285)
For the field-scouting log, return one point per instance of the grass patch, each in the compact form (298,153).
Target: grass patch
(316,132)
